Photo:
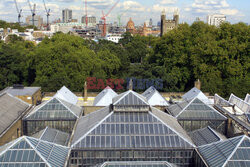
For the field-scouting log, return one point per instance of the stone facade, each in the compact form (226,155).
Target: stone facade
(167,25)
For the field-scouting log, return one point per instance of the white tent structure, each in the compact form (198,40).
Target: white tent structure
(104,98)
(65,94)
(154,97)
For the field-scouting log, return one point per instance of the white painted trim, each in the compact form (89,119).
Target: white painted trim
(219,141)
(214,132)
(130,91)
(125,94)
(43,132)
(81,138)
(34,148)
(67,107)
(185,107)
(172,128)
(230,156)
(36,109)
(11,145)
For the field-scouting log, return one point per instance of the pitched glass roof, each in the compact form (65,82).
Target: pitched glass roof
(154,97)
(195,110)
(130,98)
(204,136)
(193,93)
(231,152)
(65,94)
(53,136)
(131,130)
(104,98)
(55,109)
(243,105)
(137,164)
(32,152)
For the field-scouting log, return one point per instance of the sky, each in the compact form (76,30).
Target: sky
(139,10)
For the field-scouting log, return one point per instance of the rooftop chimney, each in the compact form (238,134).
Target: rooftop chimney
(131,84)
(197,84)
(85,91)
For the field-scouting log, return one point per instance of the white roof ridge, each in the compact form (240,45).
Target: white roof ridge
(11,144)
(43,132)
(172,129)
(186,106)
(87,133)
(34,148)
(67,107)
(38,107)
(205,145)
(232,153)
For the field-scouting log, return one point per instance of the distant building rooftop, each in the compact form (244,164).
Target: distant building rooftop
(11,109)
(20,90)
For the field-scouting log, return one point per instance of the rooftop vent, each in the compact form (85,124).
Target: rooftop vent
(18,86)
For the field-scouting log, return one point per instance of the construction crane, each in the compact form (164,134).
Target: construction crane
(120,15)
(47,14)
(33,12)
(19,12)
(104,19)
(86,11)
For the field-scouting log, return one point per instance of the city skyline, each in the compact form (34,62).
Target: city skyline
(138,10)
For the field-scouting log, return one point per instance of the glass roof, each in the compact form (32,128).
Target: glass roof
(154,97)
(104,98)
(137,164)
(33,152)
(130,98)
(196,93)
(195,110)
(53,135)
(221,101)
(243,105)
(230,152)
(204,136)
(131,130)
(65,94)
(55,109)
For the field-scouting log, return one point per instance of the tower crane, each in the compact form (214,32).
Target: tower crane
(104,18)
(33,12)
(19,12)
(47,14)
(86,11)
(120,15)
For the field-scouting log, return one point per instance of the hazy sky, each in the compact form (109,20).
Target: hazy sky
(138,10)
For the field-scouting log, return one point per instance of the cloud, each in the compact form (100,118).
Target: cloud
(211,7)
(167,2)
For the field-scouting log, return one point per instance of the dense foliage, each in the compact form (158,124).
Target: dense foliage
(219,57)
(5,25)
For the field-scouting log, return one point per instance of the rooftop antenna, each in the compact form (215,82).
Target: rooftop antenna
(47,14)
(33,12)
(19,12)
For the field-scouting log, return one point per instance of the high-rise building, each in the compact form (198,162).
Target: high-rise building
(38,21)
(91,20)
(167,25)
(151,22)
(216,19)
(66,15)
